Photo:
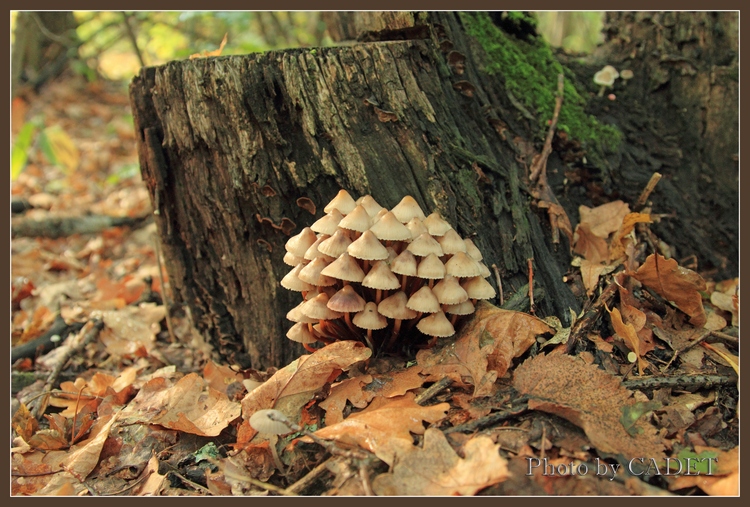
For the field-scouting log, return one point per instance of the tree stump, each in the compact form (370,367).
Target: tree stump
(241,152)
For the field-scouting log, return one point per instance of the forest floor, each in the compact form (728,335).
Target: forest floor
(114,392)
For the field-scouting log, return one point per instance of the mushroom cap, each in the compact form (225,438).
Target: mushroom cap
(484,271)
(436,324)
(391,254)
(328,224)
(431,268)
(405,264)
(311,273)
(626,74)
(342,202)
(291,280)
(336,244)
(358,220)
(425,245)
(346,300)
(423,301)
(367,247)
(462,266)
(416,227)
(344,268)
(407,209)
(388,228)
(472,250)
(379,215)
(299,243)
(292,260)
(369,318)
(451,242)
(394,307)
(606,76)
(449,292)
(371,205)
(296,315)
(263,424)
(317,308)
(313,252)
(478,288)
(300,333)
(435,224)
(465,308)
(381,277)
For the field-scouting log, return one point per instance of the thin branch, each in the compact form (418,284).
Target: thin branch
(132,37)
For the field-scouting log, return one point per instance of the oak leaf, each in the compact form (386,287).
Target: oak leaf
(591,247)
(436,469)
(605,219)
(385,426)
(485,349)
(589,398)
(676,284)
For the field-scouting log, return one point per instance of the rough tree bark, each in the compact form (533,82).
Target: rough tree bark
(228,145)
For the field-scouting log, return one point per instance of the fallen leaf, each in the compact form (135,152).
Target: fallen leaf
(591,247)
(618,245)
(627,333)
(436,469)
(154,482)
(190,405)
(384,428)
(590,273)
(346,390)
(589,398)
(721,350)
(485,349)
(676,284)
(724,478)
(220,376)
(605,219)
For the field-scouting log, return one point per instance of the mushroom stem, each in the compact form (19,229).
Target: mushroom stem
(454,317)
(403,283)
(378,296)
(368,338)
(348,320)
(431,283)
(394,333)
(601,91)
(308,347)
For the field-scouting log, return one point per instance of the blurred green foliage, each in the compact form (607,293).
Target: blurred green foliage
(117,44)
(574,31)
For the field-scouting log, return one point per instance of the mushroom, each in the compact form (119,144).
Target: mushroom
(394,307)
(357,221)
(431,268)
(478,288)
(465,308)
(335,245)
(388,228)
(328,224)
(344,268)
(425,245)
(298,244)
(343,202)
(416,227)
(605,78)
(405,264)
(449,292)
(451,243)
(626,75)
(300,333)
(381,278)
(367,248)
(435,224)
(437,326)
(407,209)
(462,266)
(270,422)
(370,319)
(472,250)
(371,205)
(347,301)
(312,273)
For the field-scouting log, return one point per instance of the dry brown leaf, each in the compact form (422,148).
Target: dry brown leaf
(605,219)
(131,329)
(627,333)
(220,376)
(154,481)
(397,383)
(618,246)
(590,399)
(190,405)
(347,390)
(436,469)
(728,303)
(485,348)
(215,52)
(385,427)
(590,273)
(82,459)
(590,246)
(721,350)
(674,283)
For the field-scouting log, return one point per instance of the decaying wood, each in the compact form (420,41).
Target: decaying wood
(60,227)
(229,145)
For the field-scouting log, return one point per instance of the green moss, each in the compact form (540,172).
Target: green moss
(467,179)
(520,17)
(530,72)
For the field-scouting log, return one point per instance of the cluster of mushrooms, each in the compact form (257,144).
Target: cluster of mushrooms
(366,273)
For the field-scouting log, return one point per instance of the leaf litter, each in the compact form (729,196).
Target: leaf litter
(145,410)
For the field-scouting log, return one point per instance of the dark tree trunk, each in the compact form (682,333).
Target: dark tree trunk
(228,145)
(42,47)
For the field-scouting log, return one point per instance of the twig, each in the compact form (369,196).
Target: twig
(531,285)
(689,345)
(91,334)
(192,484)
(165,297)
(499,285)
(680,381)
(130,485)
(491,419)
(647,191)
(539,166)
(132,37)
(302,484)
(725,337)
(431,391)
(590,316)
